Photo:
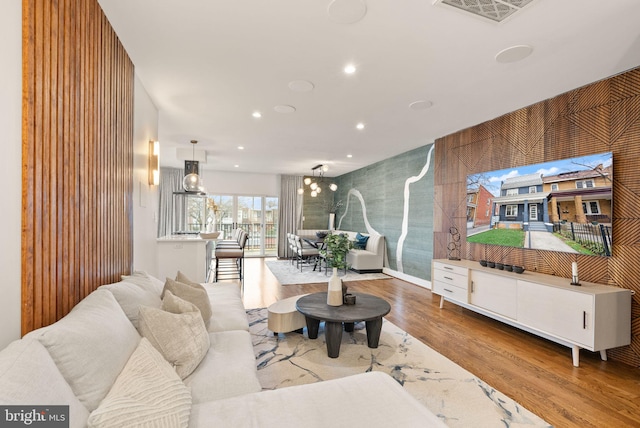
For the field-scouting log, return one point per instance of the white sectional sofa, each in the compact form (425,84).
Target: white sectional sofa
(368,260)
(95,361)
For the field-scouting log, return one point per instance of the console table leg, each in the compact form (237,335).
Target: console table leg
(312,327)
(441,302)
(373,332)
(333,336)
(603,355)
(575,353)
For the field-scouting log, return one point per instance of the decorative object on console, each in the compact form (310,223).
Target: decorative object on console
(453,248)
(483,263)
(574,274)
(518,269)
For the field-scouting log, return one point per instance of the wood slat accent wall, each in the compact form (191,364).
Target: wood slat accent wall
(77,167)
(601,117)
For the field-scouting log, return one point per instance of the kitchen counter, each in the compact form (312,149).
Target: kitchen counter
(190,254)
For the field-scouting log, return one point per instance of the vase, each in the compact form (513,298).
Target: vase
(334,291)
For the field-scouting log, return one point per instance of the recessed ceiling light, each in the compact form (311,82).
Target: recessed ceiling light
(347,11)
(360,125)
(257,114)
(301,86)
(240,147)
(285,109)
(236,166)
(514,54)
(349,156)
(420,105)
(350,69)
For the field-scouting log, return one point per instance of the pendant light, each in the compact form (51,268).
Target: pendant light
(192,181)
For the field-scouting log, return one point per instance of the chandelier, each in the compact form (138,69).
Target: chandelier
(314,184)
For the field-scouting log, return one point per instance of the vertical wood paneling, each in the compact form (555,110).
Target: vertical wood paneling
(77,157)
(603,116)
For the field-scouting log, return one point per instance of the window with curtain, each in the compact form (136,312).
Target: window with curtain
(170,181)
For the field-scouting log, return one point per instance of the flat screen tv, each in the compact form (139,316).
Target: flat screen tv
(564,205)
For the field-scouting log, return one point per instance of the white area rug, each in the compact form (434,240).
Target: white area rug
(288,274)
(453,394)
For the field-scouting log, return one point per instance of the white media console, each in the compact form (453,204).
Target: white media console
(591,316)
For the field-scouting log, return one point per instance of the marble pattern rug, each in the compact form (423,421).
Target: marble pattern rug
(287,274)
(455,395)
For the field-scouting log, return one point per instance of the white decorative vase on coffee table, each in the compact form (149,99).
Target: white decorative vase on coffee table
(334,292)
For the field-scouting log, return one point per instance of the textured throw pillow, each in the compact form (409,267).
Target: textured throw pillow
(146,393)
(360,242)
(177,331)
(195,294)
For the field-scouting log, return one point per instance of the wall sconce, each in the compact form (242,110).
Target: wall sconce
(154,163)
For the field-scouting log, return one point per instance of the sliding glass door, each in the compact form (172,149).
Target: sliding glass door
(257,215)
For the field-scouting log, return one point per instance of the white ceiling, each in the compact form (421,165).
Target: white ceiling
(209,64)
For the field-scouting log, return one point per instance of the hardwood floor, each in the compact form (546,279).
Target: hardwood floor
(535,372)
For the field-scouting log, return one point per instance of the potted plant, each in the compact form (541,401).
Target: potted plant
(336,247)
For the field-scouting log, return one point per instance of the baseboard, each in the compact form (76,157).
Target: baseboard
(409,278)
(366,270)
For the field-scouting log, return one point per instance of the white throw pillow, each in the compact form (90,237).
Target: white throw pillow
(194,293)
(28,375)
(90,345)
(177,331)
(147,393)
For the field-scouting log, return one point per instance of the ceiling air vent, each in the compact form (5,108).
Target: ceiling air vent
(495,10)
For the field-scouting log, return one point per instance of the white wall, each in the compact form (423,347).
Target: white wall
(241,183)
(145,197)
(10,168)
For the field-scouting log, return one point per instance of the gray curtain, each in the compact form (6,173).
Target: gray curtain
(170,181)
(290,219)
